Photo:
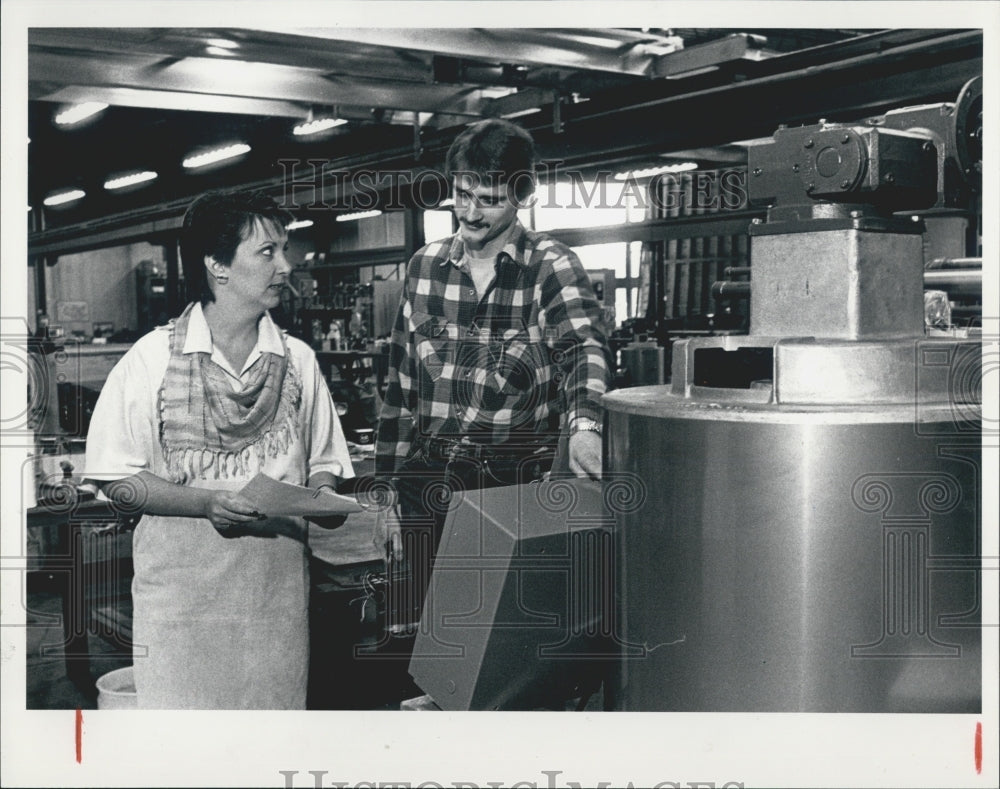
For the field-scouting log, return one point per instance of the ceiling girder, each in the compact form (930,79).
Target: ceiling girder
(584,49)
(756,108)
(214,77)
(259,46)
(710,55)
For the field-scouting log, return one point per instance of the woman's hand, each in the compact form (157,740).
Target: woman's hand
(229,512)
(326,481)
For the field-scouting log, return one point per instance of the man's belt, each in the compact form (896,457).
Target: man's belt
(450,448)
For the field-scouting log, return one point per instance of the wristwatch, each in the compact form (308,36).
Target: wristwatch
(582,423)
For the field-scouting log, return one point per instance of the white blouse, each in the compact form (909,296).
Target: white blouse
(124,440)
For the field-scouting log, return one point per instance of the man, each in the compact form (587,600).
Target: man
(497,342)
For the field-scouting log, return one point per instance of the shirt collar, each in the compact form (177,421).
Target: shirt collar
(513,249)
(199,336)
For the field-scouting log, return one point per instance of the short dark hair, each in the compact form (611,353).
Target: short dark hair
(495,148)
(215,224)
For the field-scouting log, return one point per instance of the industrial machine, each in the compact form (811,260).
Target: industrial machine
(514,617)
(810,535)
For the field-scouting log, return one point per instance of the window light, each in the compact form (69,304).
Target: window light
(357,215)
(78,112)
(218,155)
(64,197)
(318,125)
(130,180)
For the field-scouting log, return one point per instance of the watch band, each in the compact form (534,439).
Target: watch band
(583,424)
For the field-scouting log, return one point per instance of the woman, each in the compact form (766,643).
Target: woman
(190,414)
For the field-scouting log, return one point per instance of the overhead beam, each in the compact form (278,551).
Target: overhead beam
(710,55)
(213,77)
(257,46)
(725,223)
(870,84)
(521,103)
(583,49)
(78,239)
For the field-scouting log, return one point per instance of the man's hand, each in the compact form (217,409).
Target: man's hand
(388,538)
(586,454)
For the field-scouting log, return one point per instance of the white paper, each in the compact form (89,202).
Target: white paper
(273,498)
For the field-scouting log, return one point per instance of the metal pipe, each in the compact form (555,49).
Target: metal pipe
(730,290)
(957,282)
(735,271)
(952,263)
(965,311)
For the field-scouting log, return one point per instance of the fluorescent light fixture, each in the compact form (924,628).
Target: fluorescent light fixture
(318,125)
(130,180)
(181,100)
(64,197)
(78,112)
(222,43)
(649,172)
(219,51)
(521,113)
(357,215)
(298,224)
(495,92)
(218,155)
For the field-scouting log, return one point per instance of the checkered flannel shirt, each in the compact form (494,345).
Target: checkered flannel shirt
(494,368)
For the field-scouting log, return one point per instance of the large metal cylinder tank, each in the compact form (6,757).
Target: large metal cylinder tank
(809,536)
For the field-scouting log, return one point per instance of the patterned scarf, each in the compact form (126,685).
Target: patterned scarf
(208,430)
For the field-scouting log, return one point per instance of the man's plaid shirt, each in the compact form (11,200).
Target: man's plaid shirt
(494,367)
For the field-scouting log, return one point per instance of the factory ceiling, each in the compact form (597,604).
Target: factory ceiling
(608,96)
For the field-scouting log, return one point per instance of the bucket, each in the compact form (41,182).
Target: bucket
(116,690)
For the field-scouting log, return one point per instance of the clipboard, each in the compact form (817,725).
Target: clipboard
(273,498)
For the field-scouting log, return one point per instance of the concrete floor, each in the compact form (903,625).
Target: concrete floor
(48,688)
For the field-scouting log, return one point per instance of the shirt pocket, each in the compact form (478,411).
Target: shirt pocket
(519,361)
(434,339)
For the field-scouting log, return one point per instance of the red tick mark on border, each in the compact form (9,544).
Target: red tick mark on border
(979,748)
(79,736)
